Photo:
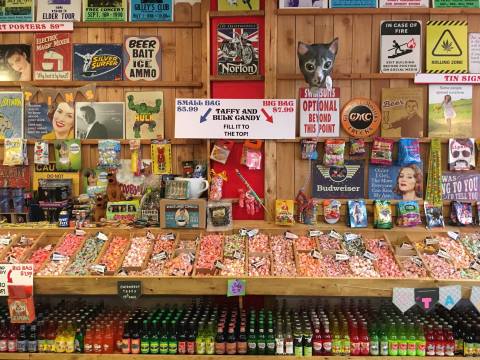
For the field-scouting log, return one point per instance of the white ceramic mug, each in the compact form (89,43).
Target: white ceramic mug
(197,186)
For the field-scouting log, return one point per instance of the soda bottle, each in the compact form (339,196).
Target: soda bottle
(79,340)
(200,341)
(12,339)
(421,342)
(3,336)
(354,340)
(231,345)
(191,339)
(22,339)
(477,340)
(439,341)
(145,338)
(134,338)
(172,338)
(374,341)
(411,340)
(69,338)
(51,335)
(392,340)
(220,346)
(88,345)
(108,340)
(326,340)
(126,339)
(98,340)
(210,339)
(118,336)
(181,338)
(307,341)
(298,341)
(261,340)
(317,341)
(289,348)
(468,342)
(449,342)
(242,341)
(252,339)
(32,345)
(270,340)
(384,345)
(430,341)
(458,333)
(364,340)
(345,348)
(60,341)
(402,340)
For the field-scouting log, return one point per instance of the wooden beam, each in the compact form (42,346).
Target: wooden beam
(378,11)
(353,76)
(138,24)
(118,83)
(236,13)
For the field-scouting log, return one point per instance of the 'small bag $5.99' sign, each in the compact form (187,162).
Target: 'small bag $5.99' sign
(235,118)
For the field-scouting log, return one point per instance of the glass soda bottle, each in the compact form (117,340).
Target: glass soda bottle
(98,340)
(126,340)
(252,340)
(326,340)
(317,341)
(430,341)
(242,340)
(439,341)
(468,342)
(32,345)
(402,340)
(298,341)
(392,340)
(3,336)
(88,344)
(231,343)
(135,338)
(354,340)
(12,339)
(163,348)
(421,341)
(270,340)
(384,344)
(191,339)
(200,340)
(145,338)
(60,338)
(449,342)
(364,340)
(210,339)
(261,340)
(411,340)
(108,340)
(69,338)
(345,348)
(220,346)
(374,341)
(336,341)
(79,339)
(22,339)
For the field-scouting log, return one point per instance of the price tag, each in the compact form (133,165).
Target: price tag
(243,232)
(24,241)
(236,287)
(475,265)
(5,240)
(315,254)
(219,265)
(252,233)
(406,246)
(237,255)
(453,235)
(58,257)
(163,255)
(315,233)
(417,261)
(192,257)
(169,236)
(368,255)
(15,274)
(149,235)
(79,232)
(443,254)
(341,257)
(129,290)
(335,235)
(98,268)
(259,263)
(382,243)
(431,241)
(351,237)
(291,236)
(102,236)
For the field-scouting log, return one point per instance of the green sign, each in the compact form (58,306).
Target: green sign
(456,3)
(236,287)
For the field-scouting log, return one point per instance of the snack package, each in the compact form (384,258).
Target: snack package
(409,152)
(219,216)
(461,154)
(221,151)
(331,211)
(305,209)
(161,158)
(408,214)
(135,156)
(309,149)
(461,214)
(40,153)
(109,154)
(15,152)
(357,147)
(382,215)
(284,212)
(216,185)
(434,215)
(357,213)
(334,149)
(68,155)
(252,154)
(188,168)
(382,150)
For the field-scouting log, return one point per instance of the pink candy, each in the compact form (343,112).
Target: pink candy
(259,266)
(210,251)
(139,249)
(440,267)
(305,243)
(55,267)
(329,243)
(385,263)
(333,268)
(413,270)
(283,258)
(460,257)
(179,266)
(309,266)
(70,244)
(259,243)
(39,257)
(233,267)
(362,267)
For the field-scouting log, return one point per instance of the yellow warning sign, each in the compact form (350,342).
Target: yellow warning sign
(447,47)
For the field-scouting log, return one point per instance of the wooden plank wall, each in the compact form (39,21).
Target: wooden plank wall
(358,54)
(183,59)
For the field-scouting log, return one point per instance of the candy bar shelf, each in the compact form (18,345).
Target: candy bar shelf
(126,142)
(109,84)
(378,11)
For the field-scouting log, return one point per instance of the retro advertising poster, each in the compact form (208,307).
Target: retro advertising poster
(97,62)
(400,46)
(16,10)
(151,10)
(59,10)
(338,182)
(143,58)
(320,114)
(403,3)
(104,10)
(461,186)
(144,117)
(237,49)
(52,56)
(239,5)
(11,114)
(456,3)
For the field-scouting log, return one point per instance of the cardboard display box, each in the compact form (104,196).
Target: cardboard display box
(183,214)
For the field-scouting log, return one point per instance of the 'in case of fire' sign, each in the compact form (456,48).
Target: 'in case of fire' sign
(400,46)
(142,56)
(237,49)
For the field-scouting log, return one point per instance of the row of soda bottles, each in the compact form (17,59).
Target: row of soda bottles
(350,329)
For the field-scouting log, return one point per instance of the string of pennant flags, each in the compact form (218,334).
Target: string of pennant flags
(427,298)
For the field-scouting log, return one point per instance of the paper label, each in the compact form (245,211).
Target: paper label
(335,235)
(170,236)
(219,265)
(58,257)
(160,256)
(5,240)
(443,254)
(149,235)
(475,265)
(315,254)
(417,261)
(289,235)
(406,246)
(315,233)
(243,232)
(453,235)
(98,268)
(341,257)
(102,236)
(259,263)
(252,233)
(236,287)
(367,254)
(431,241)
(237,255)
(351,237)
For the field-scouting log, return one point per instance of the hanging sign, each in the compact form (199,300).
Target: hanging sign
(403,298)
(450,296)
(319,114)
(235,118)
(426,298)
(236,287)
(36,27)
(129,290)
(361,117)
(459,79)
(15,274)
(475,297)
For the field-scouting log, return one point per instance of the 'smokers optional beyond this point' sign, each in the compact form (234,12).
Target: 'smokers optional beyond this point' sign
(235,118)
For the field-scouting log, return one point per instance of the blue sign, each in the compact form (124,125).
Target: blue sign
(97,62)
(151,10)
(395,182)
(353,3)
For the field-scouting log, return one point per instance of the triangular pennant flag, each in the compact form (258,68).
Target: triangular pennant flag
(403,298)
(475,297)
(450,296)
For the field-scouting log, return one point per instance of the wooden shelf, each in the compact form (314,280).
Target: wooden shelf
(237,78)
(119,83)
(357,76)
(237,13)
(378,11)
(138,24)
(126,142)
(367,140)
(216,285)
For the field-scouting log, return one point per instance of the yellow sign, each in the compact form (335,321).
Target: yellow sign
(75,176)
(447,47)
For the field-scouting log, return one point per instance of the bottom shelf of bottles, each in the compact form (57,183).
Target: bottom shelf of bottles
(193,357)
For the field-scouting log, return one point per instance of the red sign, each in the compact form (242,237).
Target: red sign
(14,177)
(36,26)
